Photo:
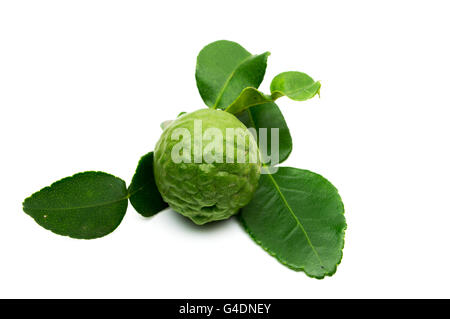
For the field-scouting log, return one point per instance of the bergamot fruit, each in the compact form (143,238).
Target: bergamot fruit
(202,176)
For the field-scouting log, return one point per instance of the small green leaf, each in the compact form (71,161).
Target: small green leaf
(224,69)
(297,86)
(269,116)
(298,217)
(86,205)
(144,195)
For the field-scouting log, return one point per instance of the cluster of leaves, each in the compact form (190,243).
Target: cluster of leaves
(296,215)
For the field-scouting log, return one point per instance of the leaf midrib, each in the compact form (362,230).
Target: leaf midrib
(222,91)
(292,92)
(78,207)
(299,224)
(92,206)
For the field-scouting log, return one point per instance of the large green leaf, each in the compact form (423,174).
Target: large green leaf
(224,69)
(85,206)
(269,116)
(298,217)
(144,195)
(297,86)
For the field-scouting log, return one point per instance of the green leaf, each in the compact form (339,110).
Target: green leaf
(144,195)
(224,69)
(297,86)
(86,205)
(249,97)
(298,217)
(269,116)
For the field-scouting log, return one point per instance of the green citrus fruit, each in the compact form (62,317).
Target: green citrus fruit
(202,176)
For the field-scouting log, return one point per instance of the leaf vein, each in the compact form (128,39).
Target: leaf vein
(222,90)
(299,224)
(79,207)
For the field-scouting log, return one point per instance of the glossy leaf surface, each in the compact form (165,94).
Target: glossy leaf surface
(85,206)
(297,86)
(248,98)
(224,69)
(297,216)
(144,195)
(269,116)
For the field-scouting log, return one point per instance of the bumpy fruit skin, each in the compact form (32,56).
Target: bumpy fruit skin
(206,192)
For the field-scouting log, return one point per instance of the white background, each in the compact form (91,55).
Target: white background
(84,85)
